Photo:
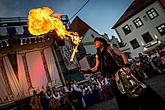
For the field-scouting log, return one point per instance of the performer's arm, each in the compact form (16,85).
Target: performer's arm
(95,68)
(124,57)
(92,70)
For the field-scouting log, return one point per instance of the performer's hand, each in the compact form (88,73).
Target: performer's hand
(127,70)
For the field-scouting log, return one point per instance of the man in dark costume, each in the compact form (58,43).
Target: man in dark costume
(109,60)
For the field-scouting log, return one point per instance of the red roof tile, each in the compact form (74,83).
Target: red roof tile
(162,2)
(79,26)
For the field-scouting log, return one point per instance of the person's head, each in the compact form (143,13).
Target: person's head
(140,55)
(74,81)
(34,92)
(42,94)
(100,42)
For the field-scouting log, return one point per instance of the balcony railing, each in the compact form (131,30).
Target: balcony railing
(23,41)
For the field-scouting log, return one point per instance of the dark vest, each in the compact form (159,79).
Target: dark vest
(108,64)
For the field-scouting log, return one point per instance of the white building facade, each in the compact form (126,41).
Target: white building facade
(88,41)
(143,30)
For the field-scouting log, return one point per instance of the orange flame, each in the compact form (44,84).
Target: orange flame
(42,21)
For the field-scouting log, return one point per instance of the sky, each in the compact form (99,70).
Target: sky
(100,15)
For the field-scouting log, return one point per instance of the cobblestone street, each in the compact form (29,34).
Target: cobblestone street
(156,82)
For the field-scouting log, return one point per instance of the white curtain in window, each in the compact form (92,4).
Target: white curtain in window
(3,31)
(53,71)
(36,70)
(22,76)
(3,87)
(13,81)
(19,29)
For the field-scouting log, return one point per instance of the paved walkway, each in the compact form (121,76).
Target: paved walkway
(156,82)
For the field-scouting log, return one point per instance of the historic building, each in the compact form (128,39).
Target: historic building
(87,50)
(142,26)
(29,62)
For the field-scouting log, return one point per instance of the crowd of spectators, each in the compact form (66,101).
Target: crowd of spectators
(72,96)
(148,65)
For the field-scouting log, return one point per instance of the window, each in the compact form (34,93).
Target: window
(147,37)
(152,13)
(134,44)
(11,31)
(64,18)
(26,31)
(138,23)
(92,36)
(126,29)
(161,29)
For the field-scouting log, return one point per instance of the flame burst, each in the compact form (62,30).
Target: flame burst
(42,21)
